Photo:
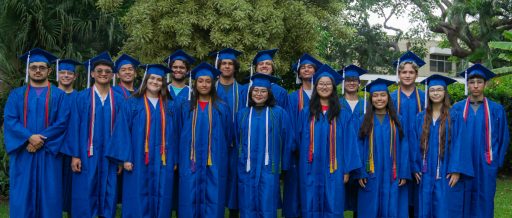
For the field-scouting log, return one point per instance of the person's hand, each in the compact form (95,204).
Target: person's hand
(76,165)
(454,178)
(362,183)
(417,176)
(119,169)
(345,178)
(31,148)
(402,182)
(36,140)
(128,166)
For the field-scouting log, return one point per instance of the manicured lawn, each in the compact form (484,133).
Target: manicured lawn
(502,201)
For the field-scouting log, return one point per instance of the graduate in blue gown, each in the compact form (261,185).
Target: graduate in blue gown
(35,119)
(305,68)
(180,64)
(264,141)
(350,87)
(125,68)
(232,93)
(264,63)
(409,101)
(442,159)
(66,75)
(351,101)
(92,121)
(147,147)
(487,136)
(206,125)
(385,158)
(325,142)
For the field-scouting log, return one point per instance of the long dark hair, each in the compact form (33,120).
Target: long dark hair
(164,92)
(445,115)
(367,125)
(194,99)
(315,108)
(270,102)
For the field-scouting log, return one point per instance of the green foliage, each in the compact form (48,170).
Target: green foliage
(4,167)
(505,49)
(156,28)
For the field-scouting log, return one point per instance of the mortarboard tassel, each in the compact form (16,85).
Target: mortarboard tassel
(26,68)
(343,83)
(57,70)
(426,94)
(89,74)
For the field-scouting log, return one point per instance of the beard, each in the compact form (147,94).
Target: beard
(42,80)
(178,80)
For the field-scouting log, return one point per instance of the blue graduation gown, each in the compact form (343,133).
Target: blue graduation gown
(358,110)
(436,197)
(323,192)
(35,178)
(352,187)
(291,199)
(121,90)
(148,188)
(480,191)
(202,189)
(181,96)
(67,174)
(234,97)
(94,188)
(258,188)
(409,110)
(382,196)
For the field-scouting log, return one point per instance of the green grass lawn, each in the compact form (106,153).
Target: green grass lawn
(502,201)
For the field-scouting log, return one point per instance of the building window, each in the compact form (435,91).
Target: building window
(440,63)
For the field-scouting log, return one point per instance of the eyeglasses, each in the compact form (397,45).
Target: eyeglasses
(325,84)
(351,81)
(259,91)
(100,71)
(38,68)
(438,90)
(126,69)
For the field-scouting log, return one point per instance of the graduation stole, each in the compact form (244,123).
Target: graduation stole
(370,165)
(333,160)
(124,90)
(301,98)
(193,141)
(424,165)
(46,105)
(248,165)
(399,93)
(488,128)
(148,128)
(90,146)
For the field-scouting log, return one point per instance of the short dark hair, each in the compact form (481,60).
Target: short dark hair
(103,62)
(236,63)
(476,76)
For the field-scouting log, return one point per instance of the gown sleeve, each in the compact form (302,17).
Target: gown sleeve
(288,139)
(16,136)
(121,148)
(351,156)
(55,133)
(71,146)
(503,135)
(459,155)
(403,159)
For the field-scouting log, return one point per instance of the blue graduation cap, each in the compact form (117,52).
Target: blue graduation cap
(225,54)
(123,60)
(378,85)
(104,56)
(204,69)
(304,59)
(156,69)
(476,70)
(65,64)
(351,71)
(264,55)
(408,56)
(263,80)
(36,55)
(179,55)
(327,71)
(436,80)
